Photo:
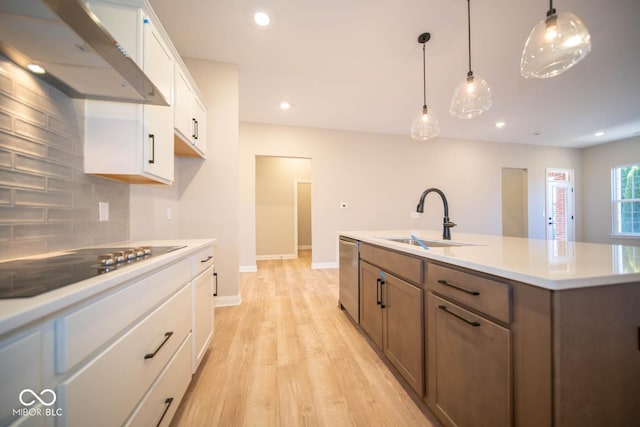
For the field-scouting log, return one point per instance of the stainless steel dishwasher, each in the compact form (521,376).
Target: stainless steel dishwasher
(349,294)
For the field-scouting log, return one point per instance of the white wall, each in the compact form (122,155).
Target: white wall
(381,178)
(596,208)
(204,197)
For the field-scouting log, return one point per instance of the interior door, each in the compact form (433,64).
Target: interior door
(560,205)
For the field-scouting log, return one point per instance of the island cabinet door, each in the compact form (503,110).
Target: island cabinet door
(403,331)
(469,366)
(370,302)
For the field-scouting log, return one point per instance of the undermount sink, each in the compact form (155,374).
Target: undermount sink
(427,243)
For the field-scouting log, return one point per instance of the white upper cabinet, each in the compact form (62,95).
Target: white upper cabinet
(129,142)
(189,116)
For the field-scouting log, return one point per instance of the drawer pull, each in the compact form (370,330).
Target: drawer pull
(168,403)
(166,338)
(207,259)
(215,293)
(444,308)
(379,283)
(444,282)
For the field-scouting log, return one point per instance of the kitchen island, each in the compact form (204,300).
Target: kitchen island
(502,331)
(117,347)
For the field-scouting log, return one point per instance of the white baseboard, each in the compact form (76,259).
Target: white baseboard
(248,268)
(227,300)
(276,257)
(321,265)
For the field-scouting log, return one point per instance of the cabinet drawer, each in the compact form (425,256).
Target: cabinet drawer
(202,260)
(107,389)
(487,296)
(160,404)
(82,332)
(401,265)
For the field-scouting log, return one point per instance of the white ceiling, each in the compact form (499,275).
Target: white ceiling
(357,65)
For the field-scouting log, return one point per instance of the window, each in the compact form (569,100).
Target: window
(626,200)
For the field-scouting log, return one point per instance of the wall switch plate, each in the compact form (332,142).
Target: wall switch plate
(414,214)
(103,211)
(169,214)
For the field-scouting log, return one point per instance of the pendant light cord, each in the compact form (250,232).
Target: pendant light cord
(424,79)
(469,29)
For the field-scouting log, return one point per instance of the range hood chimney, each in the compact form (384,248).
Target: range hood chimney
(79,55)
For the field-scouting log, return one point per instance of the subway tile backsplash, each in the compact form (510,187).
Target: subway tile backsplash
(47,203)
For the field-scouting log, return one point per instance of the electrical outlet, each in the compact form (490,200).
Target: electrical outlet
(414,214)
(103,211)
(169,214)
(343,205)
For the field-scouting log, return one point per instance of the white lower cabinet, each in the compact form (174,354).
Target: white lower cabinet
(125,357)
(108,388)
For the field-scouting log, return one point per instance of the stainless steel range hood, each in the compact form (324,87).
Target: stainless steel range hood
(79,55)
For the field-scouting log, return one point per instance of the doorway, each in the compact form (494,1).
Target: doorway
(515,202)
(303,214)
(279,189)
(560,204)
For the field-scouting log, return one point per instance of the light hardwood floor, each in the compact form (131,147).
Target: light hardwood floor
(288,356)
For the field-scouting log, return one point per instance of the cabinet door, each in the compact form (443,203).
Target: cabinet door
(200,121)
(158,137)
(182,106)
(370,297)
(403,331)
(202,315)
(469,367)
(158,60)
(20,369)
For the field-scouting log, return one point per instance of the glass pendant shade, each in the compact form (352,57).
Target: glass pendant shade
(471,98)
(425,125)
(556,44)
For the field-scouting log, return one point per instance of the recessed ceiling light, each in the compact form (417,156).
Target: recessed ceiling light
(284,105)
(500,124)
(599,133)
(35,68)
(261,19)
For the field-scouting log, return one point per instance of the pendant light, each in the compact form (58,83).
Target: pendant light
(557,43)
(472,96)
(425,124)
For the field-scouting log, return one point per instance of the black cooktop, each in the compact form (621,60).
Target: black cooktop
(30,277)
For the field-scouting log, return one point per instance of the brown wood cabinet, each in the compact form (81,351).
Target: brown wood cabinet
(496,352)
(391,313)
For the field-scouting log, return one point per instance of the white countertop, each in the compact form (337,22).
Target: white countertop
(18,312)
(549,264)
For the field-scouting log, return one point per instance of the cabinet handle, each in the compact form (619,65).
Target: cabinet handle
(444,308)
(197,129)
(168,403)
(382,282)
(166,338)
(194,124)
(378,290)
(153,148)
(207,259)
(444,282)
(215,292)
